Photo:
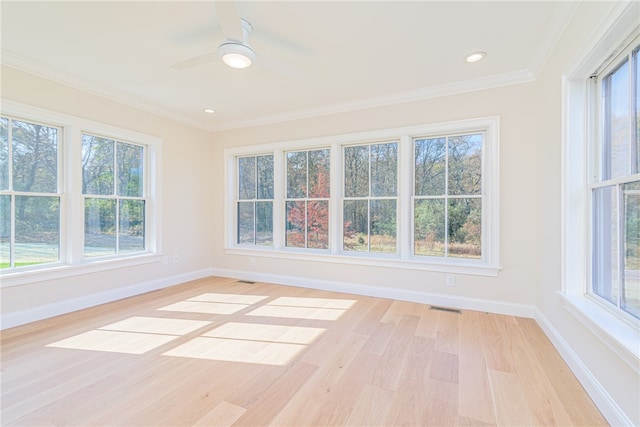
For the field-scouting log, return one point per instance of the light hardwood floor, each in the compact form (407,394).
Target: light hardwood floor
(218,352)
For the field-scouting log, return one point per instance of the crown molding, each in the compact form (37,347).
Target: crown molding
(89,86)
(86,85)
(448,89)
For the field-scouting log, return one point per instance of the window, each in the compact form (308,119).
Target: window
(307,201)
(114,202)
(421,197)
(29,193)
(370,198)
(255,200)
(615,189)
(600,201)
(447,203)
(76,196)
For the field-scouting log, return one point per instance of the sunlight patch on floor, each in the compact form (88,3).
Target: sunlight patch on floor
(304,308)
(230,350)
(204,307)
(310,313)
(314,302)
(156,325)
(114,341)
(134,335)
(268,333)
(229,298)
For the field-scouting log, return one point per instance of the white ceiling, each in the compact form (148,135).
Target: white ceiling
(314,57)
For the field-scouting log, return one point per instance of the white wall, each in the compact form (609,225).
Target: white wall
(187,203)
(515,286)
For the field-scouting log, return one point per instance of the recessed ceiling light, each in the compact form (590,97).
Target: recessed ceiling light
(209,110)
(475,57)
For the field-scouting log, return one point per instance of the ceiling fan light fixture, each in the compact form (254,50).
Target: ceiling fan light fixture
(236,55)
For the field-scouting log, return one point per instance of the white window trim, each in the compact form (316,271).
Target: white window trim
(488,266)
(617,331)
(72,261)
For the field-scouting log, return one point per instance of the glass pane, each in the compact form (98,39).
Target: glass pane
(5,231)
(265,177)
(465,165)
(245,223)
(356,171)
(617,138)
(297,175)
(35,157)
(430,158)
(97,165)
(4,154)
(131,230)
(630,296)
(636,56)
(383,226)
(247,178)
(264,223)
(429,227)
(464,226)
(319,169)
(318,224)
(37,238)
(356,225)
(130,170)
(605,243)
(99,227)
(296,214)
(384,169)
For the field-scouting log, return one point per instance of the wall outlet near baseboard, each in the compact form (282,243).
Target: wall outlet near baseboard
(451,280)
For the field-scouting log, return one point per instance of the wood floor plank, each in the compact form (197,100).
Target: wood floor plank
(264,354)
(223,415)
(509,400)
(474,398)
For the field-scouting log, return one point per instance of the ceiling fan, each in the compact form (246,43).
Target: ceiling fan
(235,50)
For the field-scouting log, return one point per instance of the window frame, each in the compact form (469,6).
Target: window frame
(369,198)
(579,142)
(255,200)
(72,261)
(306,199)
(598,179)
(119,198)
(59,191)
(404,259)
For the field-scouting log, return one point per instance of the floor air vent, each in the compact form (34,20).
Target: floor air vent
(451,310)
(248,282)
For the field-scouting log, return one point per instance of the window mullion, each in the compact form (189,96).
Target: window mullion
(279,203)
(446,198)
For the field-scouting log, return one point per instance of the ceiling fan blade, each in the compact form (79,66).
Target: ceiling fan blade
(229,19)
(196,61)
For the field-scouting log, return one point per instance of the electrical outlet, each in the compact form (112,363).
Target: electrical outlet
(451,280)
(252,261)
(176,258)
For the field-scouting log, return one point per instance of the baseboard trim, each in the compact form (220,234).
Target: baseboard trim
(498,307)
(21,317)
(601,398)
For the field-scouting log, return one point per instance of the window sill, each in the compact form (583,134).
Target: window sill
(388,261)
(61,271)
(620,336)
